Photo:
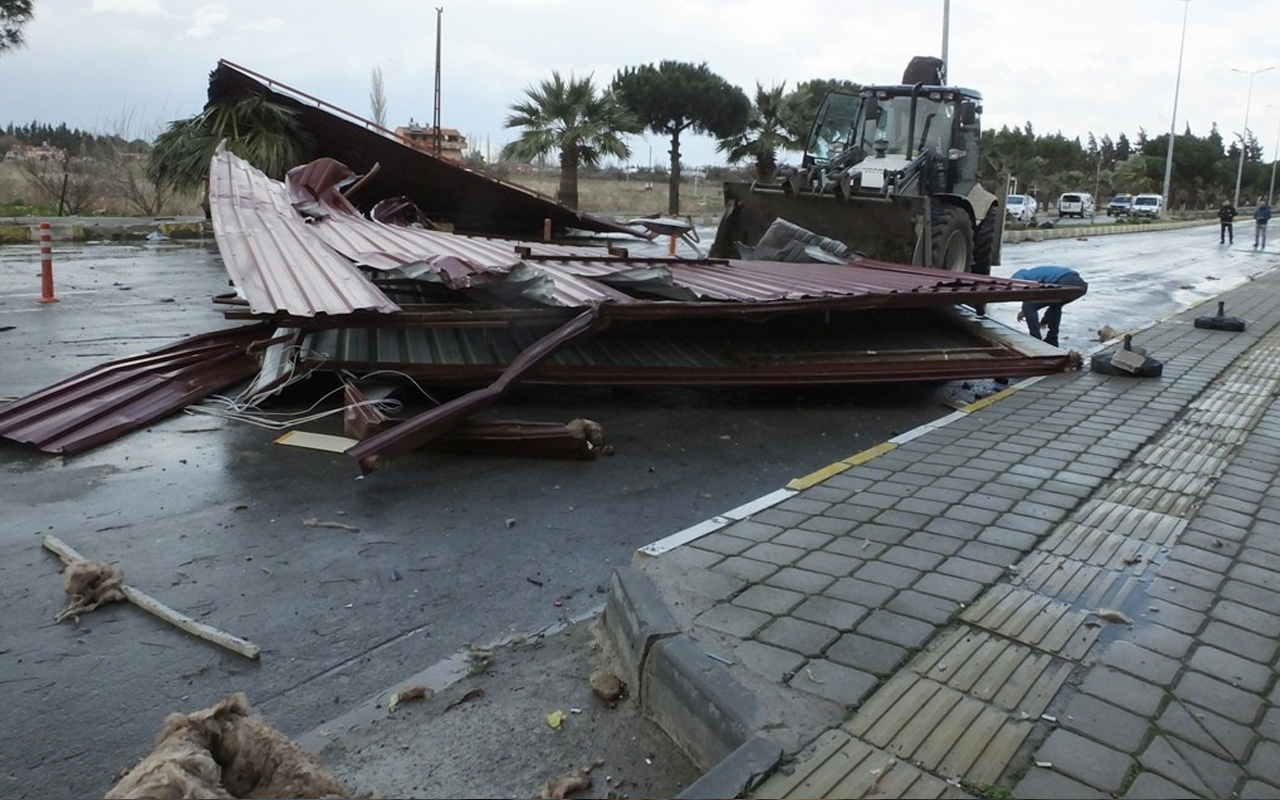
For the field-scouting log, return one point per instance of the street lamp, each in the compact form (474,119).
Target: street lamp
(1275,155)
(1245,131)
(1173,122)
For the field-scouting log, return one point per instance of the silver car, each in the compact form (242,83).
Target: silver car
(1020,207)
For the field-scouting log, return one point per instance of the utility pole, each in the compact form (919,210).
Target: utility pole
(1173,123)
(436,116)
(946,29)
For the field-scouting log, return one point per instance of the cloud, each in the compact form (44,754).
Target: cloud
(126,6)
(206,21)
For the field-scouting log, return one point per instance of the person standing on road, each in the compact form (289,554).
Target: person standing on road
(1226,214)
(1057,276)
(1260,217)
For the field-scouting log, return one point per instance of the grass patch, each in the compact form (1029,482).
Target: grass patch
(995,791)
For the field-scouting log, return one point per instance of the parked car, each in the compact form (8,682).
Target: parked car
(1148,205)
(1020,207)
(1120,205)
(1075,204)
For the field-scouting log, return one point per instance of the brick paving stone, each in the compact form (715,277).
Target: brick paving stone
(832,526)
(748,569)
(1105,722)
(954,528)
(1003,537)
(833,564)
(827,493)
(803,637)
(936,543)
(1231,668)
(778,554)
(1173,616)
(1207,541)
(1245,643)
(855,547)
(919,505)
(753,530)
(871,655)
(1213,561)
(1188,765)
(989,553)
(800,580)
(1251,595)
(1085,760)
(1259,558)
(1257,790)
(1209,731)
(851,512)
(770,662)
(1135,660)
(1223,698)
(780,518)
(1260,622)
(984,514)
(1150,786)
(805,539)
(1265,763)
(734,620)
(875,532)
(888,574)
(830,612)
(971,570)
(1123,690)
(912,558)
(1191,574)
(769,599)
(836,682)
(947,496)
(896,629)
(931,609)
(1181,594)
(724,544)
(860,592)
(950,587)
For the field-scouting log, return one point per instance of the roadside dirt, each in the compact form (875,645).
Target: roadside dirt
(487,734)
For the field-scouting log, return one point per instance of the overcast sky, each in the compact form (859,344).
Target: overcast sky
(130,66)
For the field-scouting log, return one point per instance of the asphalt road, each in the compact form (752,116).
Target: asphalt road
(210,516)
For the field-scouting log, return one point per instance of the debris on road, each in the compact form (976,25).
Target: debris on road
(575,781)
(313,522)
(474,694)
(226,750)
(149,604)
(89,584)
(412,693)
(608,687)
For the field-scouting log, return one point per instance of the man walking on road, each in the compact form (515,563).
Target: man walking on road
(1260,217)
(1058,276)
(1226,214)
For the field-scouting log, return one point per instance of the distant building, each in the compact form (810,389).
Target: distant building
(34,152)
(453,145)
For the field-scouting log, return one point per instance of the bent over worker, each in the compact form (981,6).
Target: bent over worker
(1057,276)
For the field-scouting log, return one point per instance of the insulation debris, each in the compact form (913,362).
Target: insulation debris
(226,750)
(89,584)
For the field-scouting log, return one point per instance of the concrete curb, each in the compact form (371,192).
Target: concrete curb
(691,697)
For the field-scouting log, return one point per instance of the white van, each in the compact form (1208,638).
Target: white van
(1075,204)
(1148,205)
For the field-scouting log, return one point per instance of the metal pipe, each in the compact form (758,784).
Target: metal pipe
(1245,131)
(1173,121)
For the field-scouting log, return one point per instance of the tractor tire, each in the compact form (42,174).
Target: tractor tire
(952,239)
(984,243)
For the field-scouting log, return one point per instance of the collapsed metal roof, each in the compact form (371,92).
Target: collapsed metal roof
(445,191)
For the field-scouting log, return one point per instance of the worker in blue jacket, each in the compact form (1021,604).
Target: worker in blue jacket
(1058,276)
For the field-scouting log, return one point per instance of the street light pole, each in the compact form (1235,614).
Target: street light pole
(1275,155)
(1173,122)
(1245,132)
(946,34)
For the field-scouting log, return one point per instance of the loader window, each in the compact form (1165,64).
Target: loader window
(833,126)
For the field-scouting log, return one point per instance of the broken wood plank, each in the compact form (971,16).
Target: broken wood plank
(153,606)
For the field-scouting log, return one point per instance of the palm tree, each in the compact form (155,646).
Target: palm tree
(571,117)
(765,135)
(265,134)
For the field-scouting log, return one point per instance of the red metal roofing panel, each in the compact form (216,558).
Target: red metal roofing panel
(104,403)
(274,261)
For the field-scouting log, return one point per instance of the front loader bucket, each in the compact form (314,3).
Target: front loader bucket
(885,228)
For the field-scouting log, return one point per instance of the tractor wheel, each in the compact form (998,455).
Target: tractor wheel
(952,236)
(984,243)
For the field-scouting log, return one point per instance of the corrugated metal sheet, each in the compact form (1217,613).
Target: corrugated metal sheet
(444,191)
(273,259)
(292,267)
(104,403)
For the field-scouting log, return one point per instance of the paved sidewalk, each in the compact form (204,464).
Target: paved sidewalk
(1071,589)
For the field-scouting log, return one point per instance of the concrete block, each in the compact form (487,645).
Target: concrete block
(635,617)
(741,771)
(696,702)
